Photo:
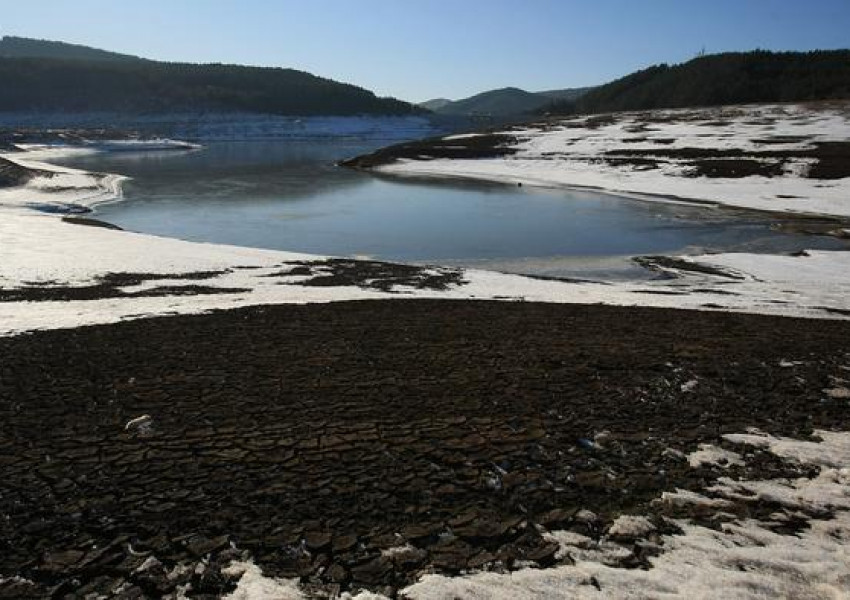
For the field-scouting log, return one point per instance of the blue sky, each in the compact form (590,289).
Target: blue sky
(421,49)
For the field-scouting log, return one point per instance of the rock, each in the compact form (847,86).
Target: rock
(317,540)
(202,546)
(142,425)
(337,573)
(488,528)
(372,572)
(344,543)
(452,556)
(62,562)
(556,517)
(674,454)
(586,516)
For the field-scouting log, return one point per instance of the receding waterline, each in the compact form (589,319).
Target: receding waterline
(290,196)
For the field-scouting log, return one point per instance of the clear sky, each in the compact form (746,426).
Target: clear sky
(421,49)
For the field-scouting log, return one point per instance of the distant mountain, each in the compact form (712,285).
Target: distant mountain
(53,76)
(18,47)
(566,94)
(507,101)
(729,78)
(435,104)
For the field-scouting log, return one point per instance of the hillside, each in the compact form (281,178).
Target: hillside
(509,101)
(435,104)
(565,94)
(52,76)
(730,78)
(18,47)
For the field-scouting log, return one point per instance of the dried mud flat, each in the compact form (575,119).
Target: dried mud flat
(359,445)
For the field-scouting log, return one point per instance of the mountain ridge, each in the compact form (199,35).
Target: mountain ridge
(507,101)
(42,75)
(20,47)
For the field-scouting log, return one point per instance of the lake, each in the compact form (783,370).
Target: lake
(288,195)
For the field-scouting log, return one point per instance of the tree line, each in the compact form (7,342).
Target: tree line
(729,78)
(46,84)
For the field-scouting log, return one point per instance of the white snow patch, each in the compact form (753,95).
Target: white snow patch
(712,455)
(398,551)
(630,526)
(742,560)
(838,393)
(461,136)
(564,156)
(253,585)
(141,145)
(689,386)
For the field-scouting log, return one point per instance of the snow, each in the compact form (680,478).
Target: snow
(630,526)
(712,455)
(66,185)
(569,153)
(461,136)
(742,559)
(253,585)
(41,249)
(141,145)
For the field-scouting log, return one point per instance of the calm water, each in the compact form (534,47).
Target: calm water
(289,196)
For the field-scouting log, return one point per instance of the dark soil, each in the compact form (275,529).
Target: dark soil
(480,146)
(109,286)
(88,221)
(377,275)
(12,174)
(833,160)
(315,436)
(735,168)
(659,263)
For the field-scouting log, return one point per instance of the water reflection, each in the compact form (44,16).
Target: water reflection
(290,196)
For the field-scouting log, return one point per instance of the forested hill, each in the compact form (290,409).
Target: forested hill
(731,78)
(19,47)
(502,102)
(76,83)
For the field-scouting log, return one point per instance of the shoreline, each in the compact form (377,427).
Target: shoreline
(311,435)
(45,256)
(649,198)
(752,157)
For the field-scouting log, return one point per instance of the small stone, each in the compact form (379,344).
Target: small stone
(142,425)
(60,562)
(586,516)
(317,540)
(373,571)
(344,543)
(337,573)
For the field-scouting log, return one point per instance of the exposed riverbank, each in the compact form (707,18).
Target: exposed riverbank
(290,443)
(127,275)
(777,158)
(356,445)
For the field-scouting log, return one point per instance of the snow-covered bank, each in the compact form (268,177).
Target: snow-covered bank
(43,251)
(753,157)
(54,274)
(234,126)
(54,186)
